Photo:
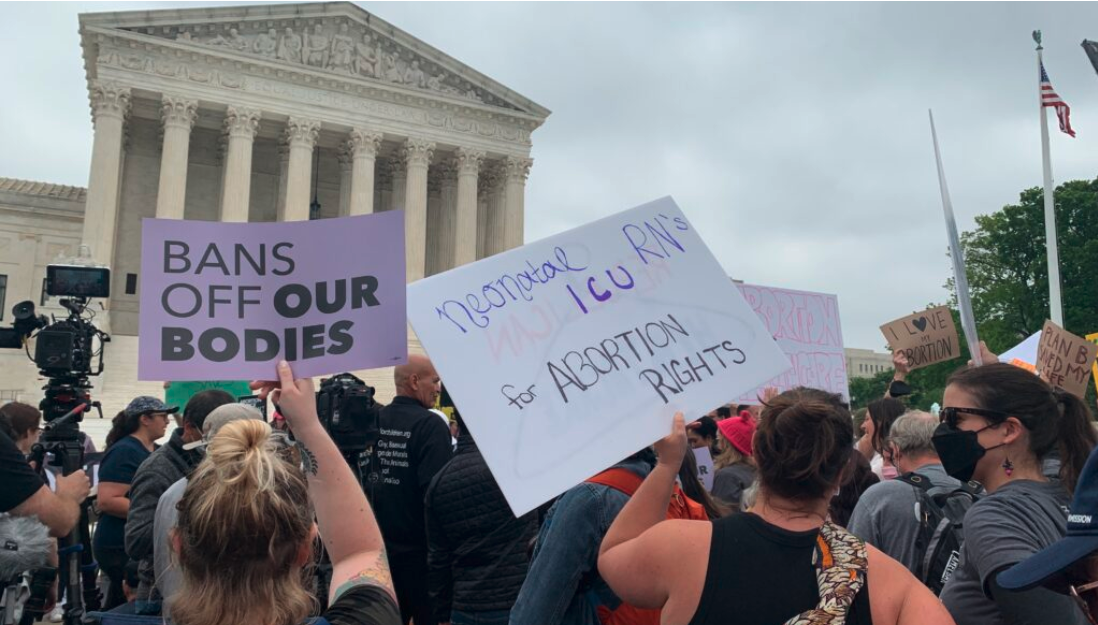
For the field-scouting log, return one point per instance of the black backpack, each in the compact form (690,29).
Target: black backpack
(941,515)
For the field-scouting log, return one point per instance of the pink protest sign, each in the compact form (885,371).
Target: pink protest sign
(806,327)
(229,300)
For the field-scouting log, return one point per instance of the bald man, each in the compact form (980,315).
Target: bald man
(414,445)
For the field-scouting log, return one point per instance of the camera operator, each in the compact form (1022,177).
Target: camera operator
(22,423)
(25,494)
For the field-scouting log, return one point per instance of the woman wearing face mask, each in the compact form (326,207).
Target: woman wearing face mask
(998,423)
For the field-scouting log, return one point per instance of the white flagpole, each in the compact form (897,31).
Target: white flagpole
(1056,308)
(956,253)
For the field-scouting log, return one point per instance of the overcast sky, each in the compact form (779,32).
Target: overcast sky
(794,136)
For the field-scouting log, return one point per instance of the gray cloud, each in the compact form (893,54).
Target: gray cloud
(794,136)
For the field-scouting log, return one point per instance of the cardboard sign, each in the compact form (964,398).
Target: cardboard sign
(229,300)
(1065,360)
(1023,354)
(926,338)
(572,353)
(807,329)
(1093,338)
(705,466)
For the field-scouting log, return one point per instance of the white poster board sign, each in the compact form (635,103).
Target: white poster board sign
(705,467)
(807,328)
(570,354)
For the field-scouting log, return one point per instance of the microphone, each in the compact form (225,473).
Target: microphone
(24,545)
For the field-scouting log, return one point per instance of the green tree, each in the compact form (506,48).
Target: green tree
(865,390)
(1007,265)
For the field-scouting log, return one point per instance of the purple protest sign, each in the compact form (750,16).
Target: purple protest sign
(229,300)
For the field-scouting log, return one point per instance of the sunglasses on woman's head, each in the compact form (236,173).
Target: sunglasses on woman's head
(949,414)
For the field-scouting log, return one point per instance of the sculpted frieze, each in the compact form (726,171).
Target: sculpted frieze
(335,45)
(197,72)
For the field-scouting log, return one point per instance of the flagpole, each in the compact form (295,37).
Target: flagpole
(1056,309)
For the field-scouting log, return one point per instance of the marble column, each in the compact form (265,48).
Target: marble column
(110,106)
(447,225)
(283,174)
(300,135)
(384,184)
(495,222)
(399,175)
(241,124)
(344,158)
(433,251)
(416,155)
(178,116)
(363,148)
(515,171)
(467,164)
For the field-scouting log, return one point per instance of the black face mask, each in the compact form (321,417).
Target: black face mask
(959,450)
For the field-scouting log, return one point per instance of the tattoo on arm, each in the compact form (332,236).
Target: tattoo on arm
(375,574)
(307,459)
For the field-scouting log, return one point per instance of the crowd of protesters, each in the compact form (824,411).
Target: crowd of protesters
(965,516)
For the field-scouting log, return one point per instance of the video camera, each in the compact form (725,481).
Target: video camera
(65,350)
(349,413)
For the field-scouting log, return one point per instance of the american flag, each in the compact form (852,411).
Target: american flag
(1050,98)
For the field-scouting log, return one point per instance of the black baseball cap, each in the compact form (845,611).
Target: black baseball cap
(1080,540)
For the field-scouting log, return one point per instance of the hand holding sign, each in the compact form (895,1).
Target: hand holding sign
(1065,360)
(671,449)
(924,338)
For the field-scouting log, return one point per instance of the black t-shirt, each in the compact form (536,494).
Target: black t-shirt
(413,447)
(760,574)
(19,479)
(364,605)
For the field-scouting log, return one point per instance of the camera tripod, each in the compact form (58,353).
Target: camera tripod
(63,408)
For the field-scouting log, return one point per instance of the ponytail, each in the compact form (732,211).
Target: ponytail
(1076,437)
(122,426)
(1057,421)
(243,520)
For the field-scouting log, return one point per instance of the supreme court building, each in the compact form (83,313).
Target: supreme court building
(250,113)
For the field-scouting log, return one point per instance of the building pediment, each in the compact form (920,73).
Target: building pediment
(337,39)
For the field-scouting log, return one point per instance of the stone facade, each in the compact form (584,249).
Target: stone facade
(231,113)
(866,363)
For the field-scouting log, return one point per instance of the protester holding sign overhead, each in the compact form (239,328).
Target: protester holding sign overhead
(246,526)
(998,423)
(414,445)
(762,567)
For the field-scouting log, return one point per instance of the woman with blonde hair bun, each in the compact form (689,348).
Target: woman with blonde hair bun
(245,531)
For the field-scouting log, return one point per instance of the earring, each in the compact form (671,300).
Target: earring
(1008,466)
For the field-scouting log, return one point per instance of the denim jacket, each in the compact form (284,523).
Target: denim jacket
(563,586)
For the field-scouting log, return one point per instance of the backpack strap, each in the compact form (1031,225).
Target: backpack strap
(916,480)
(622,480)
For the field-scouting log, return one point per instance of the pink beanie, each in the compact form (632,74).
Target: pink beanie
(739,431)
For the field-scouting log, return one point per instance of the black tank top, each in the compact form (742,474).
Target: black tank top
(760,574)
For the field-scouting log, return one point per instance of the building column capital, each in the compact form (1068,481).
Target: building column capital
(363,142)
(301,132)
(468,161)
(345,156)
(516,168)
(417,152)
(109,99)
(242,122)
(178,111)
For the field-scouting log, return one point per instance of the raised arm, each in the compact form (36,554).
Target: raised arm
(640,540)
(347,524)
